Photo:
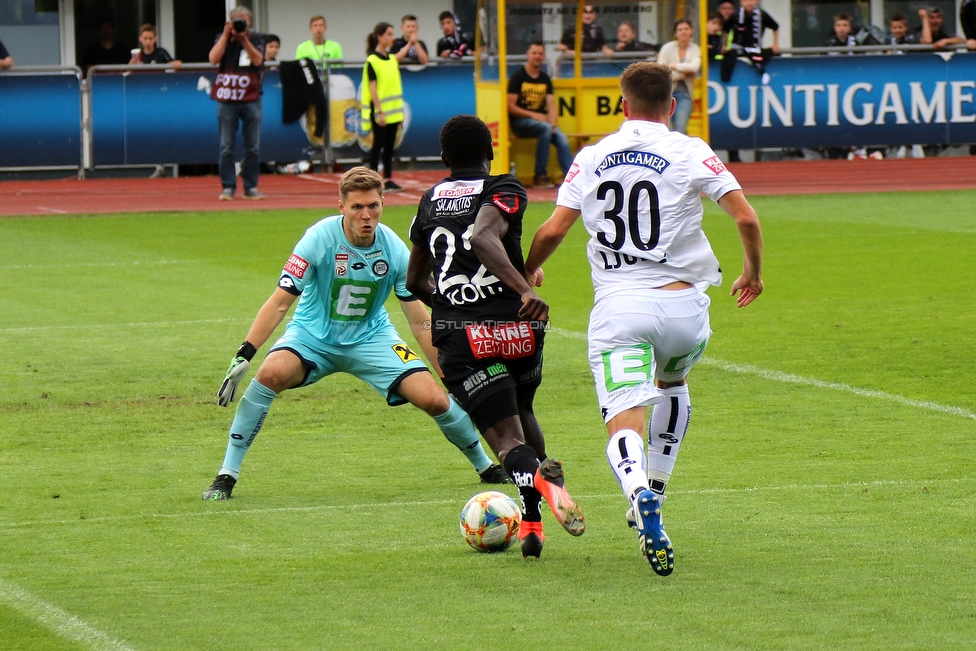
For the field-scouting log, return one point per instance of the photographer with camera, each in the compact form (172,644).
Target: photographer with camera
(239,55)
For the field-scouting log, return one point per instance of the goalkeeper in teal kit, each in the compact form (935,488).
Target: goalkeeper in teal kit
(341,272)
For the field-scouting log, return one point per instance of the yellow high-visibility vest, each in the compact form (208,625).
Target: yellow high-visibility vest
(388,87)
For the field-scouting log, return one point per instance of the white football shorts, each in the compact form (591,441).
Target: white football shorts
(635,337)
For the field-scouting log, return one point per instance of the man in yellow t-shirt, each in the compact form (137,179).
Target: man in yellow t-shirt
(318,48)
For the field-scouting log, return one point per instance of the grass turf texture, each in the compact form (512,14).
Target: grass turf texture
(804,515)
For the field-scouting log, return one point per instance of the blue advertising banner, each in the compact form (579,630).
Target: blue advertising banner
(844,101)
(41,120)
(158,117)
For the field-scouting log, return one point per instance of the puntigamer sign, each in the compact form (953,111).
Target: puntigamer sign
(847,100)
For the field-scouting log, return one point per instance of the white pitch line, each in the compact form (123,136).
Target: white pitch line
(54,210)
(141,324)
(63,623)
(392,506)
(134,263)
(789,378)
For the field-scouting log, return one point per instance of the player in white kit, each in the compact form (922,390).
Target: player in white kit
(639,192)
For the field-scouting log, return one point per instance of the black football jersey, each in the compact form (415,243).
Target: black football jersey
(465,292)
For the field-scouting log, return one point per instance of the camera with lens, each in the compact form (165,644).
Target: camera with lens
(240,25)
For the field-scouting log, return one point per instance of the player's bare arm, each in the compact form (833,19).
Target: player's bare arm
(270,316)
(276,373)
(490,227)
(548,238)
(749,285)
(420,279)
(419,319)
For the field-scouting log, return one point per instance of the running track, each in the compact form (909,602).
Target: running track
(71,196)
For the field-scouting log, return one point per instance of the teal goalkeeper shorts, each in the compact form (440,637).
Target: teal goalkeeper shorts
(382,362)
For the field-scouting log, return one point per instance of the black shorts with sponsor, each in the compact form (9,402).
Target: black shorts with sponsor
(473,376)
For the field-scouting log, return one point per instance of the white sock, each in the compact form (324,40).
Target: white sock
(625,454)
(666,430)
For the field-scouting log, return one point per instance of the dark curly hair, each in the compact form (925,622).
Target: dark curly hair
(465,141)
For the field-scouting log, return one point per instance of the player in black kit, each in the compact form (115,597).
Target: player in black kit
(488,322)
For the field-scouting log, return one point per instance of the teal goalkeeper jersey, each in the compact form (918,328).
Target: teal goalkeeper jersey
(343,287)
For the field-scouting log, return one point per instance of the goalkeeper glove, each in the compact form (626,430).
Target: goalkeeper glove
(235,373)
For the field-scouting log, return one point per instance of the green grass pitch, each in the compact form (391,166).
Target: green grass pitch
(823,498)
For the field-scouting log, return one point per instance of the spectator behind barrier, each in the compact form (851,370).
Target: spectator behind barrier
(149,53)
(318,48)
(106,51)
(714,27)
(593,38)
(627,40)
(745,28)
(683,58)
(725,9)
(272,45)
(409,49)
(933,30)
(841,36)
(898,32)
(455,43)
(6,61)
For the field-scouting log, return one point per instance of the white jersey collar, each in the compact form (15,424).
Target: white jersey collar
(644,124)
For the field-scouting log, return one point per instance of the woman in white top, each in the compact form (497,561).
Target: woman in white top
(684,59)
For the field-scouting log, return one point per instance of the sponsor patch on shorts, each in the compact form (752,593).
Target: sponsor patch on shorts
(404,353)
(296,266)
(509,341)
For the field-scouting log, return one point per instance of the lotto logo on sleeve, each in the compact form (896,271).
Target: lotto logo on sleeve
(715,164)
(506,202)
(296,266)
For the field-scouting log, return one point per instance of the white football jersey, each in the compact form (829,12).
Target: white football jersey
(639,192)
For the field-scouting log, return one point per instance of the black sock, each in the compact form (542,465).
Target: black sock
(521,464)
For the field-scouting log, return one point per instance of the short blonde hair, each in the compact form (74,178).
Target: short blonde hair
(360,179)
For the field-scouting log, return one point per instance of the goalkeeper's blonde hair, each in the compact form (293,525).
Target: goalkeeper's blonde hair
(360,179)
